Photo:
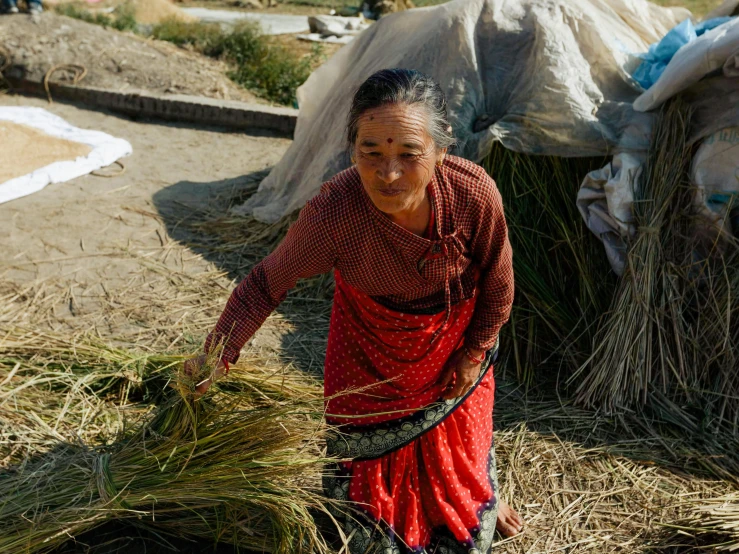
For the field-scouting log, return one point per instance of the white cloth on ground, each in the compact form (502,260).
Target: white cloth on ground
(105,150)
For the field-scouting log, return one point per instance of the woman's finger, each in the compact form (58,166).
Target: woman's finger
(203,386)
(460,389)
(191,366)
(446,377)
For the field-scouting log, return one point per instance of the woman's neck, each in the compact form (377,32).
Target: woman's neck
(415,220)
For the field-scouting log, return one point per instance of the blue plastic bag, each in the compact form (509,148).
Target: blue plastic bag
(660,53)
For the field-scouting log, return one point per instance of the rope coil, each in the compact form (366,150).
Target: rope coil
(79,72)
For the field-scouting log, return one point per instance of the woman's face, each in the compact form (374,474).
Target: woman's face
(395,156)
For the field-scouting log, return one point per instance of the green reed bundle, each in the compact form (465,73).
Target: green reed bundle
(38,360)
(233,466)
(563,279)
(57,388)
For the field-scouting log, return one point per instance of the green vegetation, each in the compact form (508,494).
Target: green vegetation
(256,63)
(121,19)
(269,70)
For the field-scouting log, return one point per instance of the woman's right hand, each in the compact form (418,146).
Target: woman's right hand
(194,366)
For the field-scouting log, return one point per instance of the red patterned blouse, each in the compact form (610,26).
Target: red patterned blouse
(341,228)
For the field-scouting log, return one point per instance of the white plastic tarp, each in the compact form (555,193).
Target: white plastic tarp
(105,150)
(715,173)
(541,76)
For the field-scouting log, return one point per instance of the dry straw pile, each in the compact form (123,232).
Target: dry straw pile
(715,522)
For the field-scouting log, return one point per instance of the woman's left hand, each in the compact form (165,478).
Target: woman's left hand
(464,372)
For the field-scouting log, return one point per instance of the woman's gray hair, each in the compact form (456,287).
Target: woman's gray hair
(402,86)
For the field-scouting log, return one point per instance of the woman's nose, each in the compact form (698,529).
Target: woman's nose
(389,171)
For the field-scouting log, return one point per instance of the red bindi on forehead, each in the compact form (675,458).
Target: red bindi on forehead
(389,141)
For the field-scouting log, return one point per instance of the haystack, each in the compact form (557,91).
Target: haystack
(712,525)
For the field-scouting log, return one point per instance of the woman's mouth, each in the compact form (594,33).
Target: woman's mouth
(389,192)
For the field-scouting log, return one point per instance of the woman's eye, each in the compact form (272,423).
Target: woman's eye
(408,156)
(372,154)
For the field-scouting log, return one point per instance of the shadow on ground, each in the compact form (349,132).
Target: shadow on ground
(197,215)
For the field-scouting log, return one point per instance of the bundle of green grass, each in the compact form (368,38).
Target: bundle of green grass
(240,465)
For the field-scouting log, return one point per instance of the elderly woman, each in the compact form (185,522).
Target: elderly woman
(419,247)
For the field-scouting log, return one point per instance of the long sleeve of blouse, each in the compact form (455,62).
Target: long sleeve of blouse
(306,250)
(491,252)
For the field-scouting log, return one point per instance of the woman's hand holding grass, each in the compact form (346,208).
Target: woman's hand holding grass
(197,367)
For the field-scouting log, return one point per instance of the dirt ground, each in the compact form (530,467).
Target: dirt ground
(98,253)
(115,61)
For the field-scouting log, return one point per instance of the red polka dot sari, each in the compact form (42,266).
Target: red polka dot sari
(422,470)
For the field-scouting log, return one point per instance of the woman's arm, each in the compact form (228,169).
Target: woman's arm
(491,251)
(307,250)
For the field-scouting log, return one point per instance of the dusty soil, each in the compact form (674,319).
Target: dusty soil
(156,11)
(106,254)
(114,60)
(145,11)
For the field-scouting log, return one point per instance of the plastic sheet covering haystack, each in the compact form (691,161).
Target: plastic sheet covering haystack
(541,76)
(705,71)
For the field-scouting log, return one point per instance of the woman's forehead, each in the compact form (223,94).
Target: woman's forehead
(393,123)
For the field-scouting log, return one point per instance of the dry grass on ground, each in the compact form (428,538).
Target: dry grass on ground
(582,481)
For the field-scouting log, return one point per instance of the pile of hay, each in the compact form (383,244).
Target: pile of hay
(712,525)
(563,279)
(672,328)
(93,433)
(665,335)
(586,483)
